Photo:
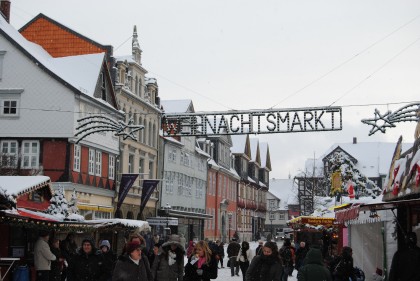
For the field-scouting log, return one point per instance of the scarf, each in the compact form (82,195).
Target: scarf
(171,257)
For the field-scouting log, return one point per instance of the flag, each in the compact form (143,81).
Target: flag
(148,188)
(126,183)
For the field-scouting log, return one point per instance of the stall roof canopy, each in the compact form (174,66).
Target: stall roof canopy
(312,220)
(19,185)
(389,204)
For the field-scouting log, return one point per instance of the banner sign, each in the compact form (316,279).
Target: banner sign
(162,221)
(268,121)
(127,181)
(148,188)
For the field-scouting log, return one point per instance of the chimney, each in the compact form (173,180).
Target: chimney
(354,140)
(5,9)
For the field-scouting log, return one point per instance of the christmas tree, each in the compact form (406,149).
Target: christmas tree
(73,204)
(58,204)
(352,180)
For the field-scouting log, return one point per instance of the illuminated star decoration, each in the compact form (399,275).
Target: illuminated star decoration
(406,113)
(97,123)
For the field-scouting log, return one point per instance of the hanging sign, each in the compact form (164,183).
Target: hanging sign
(268,121)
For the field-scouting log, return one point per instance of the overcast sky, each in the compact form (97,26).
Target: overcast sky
(222,54)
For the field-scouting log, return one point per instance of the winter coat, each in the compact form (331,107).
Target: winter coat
(286,255)
(68,249)
(89,267)
(314,268)
(233,249)
(110,259)
(43,255)
(405,265)
(169,265)
(221,250)
(264,268)
(56,265)
(127,270)
(343,269)
(300,256)
(246,257)
(209,270)
(258,250)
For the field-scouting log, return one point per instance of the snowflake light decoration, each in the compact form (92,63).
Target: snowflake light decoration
(98,123)
(382,121)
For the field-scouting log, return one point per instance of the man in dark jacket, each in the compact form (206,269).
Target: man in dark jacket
(405,263)
(286,258)
(300,255)
(233,251)
(87,264)
(314,269)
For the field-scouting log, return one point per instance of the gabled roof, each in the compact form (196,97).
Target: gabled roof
(265,156)
(42,28)
(241,145)
(255,150)
(78,73)
(284,190)
(339,149)
(177,106)
(19,185)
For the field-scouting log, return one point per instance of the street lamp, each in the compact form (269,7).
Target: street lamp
(167,209)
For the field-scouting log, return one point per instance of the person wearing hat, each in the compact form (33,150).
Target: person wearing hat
(265,267)
(233,252)
(43,256)
(169,264)
(109,258)
(87,264)
(132,265)
(314,268)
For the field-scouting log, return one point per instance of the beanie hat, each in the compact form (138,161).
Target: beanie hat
(105,243)
(131,246)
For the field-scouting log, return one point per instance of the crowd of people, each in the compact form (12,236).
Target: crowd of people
(157,260)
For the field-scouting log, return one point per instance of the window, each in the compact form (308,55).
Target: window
(98,163)
(151,169)
(111,169)
(91,162)
(9,153)
(131,163)
(9,107)
(30,154)
(141,166)
(281,216)
(76,160)
(2,53)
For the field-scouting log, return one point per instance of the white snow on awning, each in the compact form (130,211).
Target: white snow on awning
(140,225)
(19,185)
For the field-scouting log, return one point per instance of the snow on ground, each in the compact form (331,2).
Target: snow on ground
(224,273)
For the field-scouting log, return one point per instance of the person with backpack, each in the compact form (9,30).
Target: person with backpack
(169,264)
(343,267)
(265,267)
(314,268)
(286,258)
(244,257)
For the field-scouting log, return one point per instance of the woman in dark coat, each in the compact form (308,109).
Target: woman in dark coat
(109,258)
(220,251)
(201,266)
(169,264)
(132,266)
(87,264)
(266,267)
(314,268)
(56,265)
(343,267)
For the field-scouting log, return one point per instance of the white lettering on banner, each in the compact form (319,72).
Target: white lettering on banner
(253,122)
(162,221)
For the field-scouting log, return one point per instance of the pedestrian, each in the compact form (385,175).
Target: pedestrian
(57,264)
(300,255)
(343,267)
(132,265)
(190,249)
(258,250)
(135,237)
(109,259)
(87,264)
(314,268)
(265,267)
(405,263)
(153,253)
(233,252)
(169,264)
(286,258)
(43,256)
(68,249)
(202,265)
(220,252)
(244,258)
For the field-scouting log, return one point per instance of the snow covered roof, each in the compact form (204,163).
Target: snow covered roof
(254,143)
(374,158)
(284,190)
(238,144)
(19,185)
(264,155)
(177,106)
(139,225)
(67,68)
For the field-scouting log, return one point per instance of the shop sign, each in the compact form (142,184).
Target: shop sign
(162,221)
